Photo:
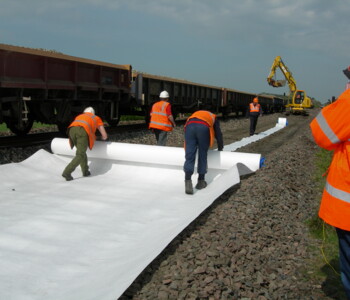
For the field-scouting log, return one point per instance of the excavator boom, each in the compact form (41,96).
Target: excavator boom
(278,63)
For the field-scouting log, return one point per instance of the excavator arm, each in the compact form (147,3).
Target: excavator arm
(278,63)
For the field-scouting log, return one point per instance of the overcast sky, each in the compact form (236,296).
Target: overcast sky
(228,43)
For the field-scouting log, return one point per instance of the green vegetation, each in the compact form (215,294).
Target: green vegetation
(325,266)
(3,127)
(131,118)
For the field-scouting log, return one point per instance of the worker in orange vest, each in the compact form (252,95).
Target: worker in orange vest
(254,111)
(331,131)
(162,120)
(200,130)
(81,133)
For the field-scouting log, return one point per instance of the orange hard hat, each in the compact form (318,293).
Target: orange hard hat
(255,100)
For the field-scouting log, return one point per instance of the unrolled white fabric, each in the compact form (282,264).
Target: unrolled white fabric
(281,123)
(91,237)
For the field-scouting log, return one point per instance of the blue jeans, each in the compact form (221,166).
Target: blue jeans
(197,136)
(344,257)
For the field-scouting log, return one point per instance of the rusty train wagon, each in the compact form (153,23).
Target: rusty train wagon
(52,88)
(185,96)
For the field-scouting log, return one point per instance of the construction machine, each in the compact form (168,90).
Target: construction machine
(298,101)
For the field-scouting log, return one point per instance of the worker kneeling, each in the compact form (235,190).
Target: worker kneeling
(200,130)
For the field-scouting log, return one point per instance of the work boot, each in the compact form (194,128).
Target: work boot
(86,173)
(68,177)
(188,187)
(201,184)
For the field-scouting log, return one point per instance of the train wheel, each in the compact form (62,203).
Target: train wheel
(62,128)
(113,122)
(113,117)
(20,127)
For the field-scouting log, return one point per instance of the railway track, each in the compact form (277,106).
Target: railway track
(28,140)
(42,138)
(34,139)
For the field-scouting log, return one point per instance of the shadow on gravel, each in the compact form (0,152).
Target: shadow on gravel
(147,274)
(332,286)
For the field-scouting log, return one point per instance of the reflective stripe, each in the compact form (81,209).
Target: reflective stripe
(159,113)
(322,122)
(163,124)
(339,194)
(88,124)
(212,117)
(254,108)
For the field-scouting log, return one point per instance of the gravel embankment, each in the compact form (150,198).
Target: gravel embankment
(252,243)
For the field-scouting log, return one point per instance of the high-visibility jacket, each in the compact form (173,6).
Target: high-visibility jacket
(90,123)
(331,131)
(159,117)
(254,108)
(208,118)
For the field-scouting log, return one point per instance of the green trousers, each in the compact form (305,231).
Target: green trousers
(80,139)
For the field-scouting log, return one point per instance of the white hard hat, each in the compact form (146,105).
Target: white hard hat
(164,94)
(89,110)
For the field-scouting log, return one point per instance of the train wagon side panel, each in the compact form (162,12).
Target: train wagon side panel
(52,88)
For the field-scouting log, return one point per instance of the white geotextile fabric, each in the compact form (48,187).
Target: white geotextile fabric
(91,237)
(281,123)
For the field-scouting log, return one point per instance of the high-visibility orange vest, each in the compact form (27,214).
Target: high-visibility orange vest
(255,108)
(159,117)
(89,122)
(208,118)
(331,131)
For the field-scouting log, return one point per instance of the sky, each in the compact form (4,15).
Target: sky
(225,43)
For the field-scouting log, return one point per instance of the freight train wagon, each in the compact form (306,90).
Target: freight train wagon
(52,88)
(186,96)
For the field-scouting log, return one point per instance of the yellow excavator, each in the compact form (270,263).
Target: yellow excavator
(298,101)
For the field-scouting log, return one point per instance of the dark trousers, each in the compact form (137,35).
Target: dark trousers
(253,122)
(197,137)
(161,136)
(344,257)
(80,140)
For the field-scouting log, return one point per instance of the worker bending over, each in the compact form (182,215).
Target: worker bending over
(81,133)
(200,130)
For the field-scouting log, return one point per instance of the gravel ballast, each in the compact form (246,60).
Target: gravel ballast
(253,242)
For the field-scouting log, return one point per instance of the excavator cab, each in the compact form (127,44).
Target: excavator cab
(299,97)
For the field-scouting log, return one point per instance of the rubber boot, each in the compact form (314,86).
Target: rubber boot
(68,177)
(86,173)
(201,184)
(188,187)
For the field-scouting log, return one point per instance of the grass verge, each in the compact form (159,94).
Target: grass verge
(325,266)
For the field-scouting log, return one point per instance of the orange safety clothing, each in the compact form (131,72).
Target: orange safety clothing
(90,123)
(331,131)
(159,117)
(208,118)
(254,108)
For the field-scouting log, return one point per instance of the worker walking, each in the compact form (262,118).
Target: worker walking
(331,131)
(81,133)
(254,111)
(162,120)
(200,130)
